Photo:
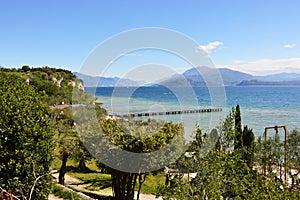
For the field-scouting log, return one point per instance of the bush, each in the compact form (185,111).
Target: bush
(26,136)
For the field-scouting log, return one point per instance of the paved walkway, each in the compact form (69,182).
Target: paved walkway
(74,183)
(52,197)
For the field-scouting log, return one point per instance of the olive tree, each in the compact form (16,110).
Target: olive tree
(106,137)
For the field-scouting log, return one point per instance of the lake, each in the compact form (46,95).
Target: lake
(261,106)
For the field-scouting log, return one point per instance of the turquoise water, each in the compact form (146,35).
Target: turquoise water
(260,106)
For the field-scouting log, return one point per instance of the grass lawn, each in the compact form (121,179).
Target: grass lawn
(93,181)
(102,182)
(151,183)
(72,165)
(67,195)
(60,192)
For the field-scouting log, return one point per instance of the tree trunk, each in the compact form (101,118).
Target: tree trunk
(81,166)
(123,185)
(141,181)
(63,168)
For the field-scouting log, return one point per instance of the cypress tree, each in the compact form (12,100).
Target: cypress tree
(238,143)
(248,143)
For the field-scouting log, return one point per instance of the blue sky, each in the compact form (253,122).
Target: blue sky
(258,37)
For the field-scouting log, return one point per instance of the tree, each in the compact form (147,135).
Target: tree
(248,144)
(123,182)
(65,138)
(26,140)
(293,144)
(223,175)
(244,138)
(293,158)
(135,136)
(227,131)
(69,144)
(82,155)
(238,143)
(228,174)
(25,68)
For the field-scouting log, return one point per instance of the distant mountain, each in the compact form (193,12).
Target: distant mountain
(98,81)
(194,78)
(230,77)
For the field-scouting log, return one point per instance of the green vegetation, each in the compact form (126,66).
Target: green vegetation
(68,142)
(228,161)
(293,151)
(60,192)
(152,182)
(143,138)
(270,155)
(29,130)
(238,142)
(26,140)
(244,139)
(96,181)
(54,85)
(227,172)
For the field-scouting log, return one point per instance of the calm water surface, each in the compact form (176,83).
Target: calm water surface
(260,106)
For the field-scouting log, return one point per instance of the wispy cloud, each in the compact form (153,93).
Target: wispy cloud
(289,46)
(209,47)
(266,66)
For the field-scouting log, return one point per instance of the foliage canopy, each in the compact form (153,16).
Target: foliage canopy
(26,140)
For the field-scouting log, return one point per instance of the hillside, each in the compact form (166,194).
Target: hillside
(56,85)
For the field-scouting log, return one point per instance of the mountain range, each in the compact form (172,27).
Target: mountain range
(99,81)
(194,78)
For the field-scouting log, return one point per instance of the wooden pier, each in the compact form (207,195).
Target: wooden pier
(177,112)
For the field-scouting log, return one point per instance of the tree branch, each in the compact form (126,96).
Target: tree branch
(9,193)
(35,181)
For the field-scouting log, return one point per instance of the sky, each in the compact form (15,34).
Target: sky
(256,37)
